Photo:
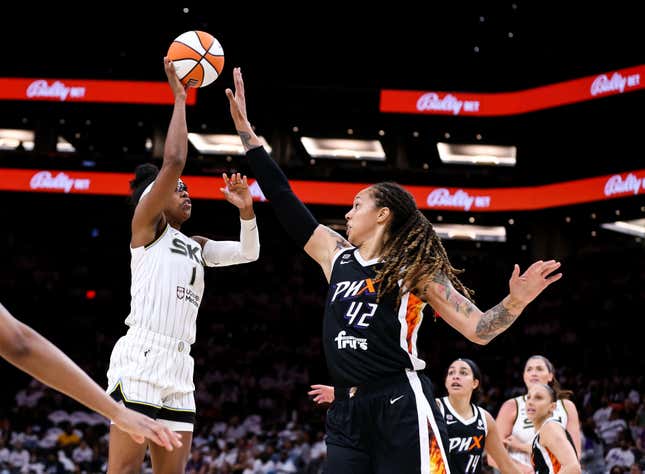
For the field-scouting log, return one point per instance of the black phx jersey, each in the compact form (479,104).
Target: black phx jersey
(365,340)
(466,438)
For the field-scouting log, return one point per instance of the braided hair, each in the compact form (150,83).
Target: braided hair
(413,250)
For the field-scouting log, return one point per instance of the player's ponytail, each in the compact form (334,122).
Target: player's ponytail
(143,175)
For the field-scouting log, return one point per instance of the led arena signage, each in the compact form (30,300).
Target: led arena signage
(513,103)
(601,188)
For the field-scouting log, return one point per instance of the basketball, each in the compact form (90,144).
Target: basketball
(198,58)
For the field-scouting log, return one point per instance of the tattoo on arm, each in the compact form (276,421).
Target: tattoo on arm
(494,321)
(460,303)
(246,139)
(340,242)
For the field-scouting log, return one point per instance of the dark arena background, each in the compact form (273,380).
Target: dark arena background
(321,72)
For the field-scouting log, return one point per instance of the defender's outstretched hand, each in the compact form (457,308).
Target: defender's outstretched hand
(526,287)
(237,102)
(140,427)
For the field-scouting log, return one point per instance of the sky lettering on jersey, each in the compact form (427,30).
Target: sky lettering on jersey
(190,251)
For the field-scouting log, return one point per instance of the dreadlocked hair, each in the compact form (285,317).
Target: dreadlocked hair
(413,250)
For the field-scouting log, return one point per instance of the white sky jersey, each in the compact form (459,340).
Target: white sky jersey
(523,427)
(167,285)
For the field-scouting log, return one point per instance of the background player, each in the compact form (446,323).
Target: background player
(516,428)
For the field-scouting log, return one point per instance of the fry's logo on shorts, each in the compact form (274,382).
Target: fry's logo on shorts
(189,295)
(352,342)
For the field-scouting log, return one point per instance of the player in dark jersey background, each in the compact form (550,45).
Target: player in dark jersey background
(384,418)
(471,429)
(553,450)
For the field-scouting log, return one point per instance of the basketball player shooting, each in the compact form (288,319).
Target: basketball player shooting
(151,369)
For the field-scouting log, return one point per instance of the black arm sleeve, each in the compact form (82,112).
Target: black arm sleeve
(292,213)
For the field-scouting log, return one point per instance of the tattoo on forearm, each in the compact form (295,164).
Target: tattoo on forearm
(456,299)
(494,321)
(341,243)
(246,139)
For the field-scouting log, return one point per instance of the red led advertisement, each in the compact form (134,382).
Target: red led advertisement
(89,90)
(513,103)
(526,198)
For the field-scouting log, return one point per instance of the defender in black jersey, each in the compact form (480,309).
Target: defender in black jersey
(552,449)
(384,418)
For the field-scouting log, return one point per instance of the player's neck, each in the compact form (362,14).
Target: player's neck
(538,423)
(462,405)
(371,248)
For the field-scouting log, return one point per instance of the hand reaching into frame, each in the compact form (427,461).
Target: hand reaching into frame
(236,190)
(322,394)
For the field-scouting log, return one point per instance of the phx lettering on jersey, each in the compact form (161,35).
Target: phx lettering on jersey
(465,444)
(352,289)
(358,313)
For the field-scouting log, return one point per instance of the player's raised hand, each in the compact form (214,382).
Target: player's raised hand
(526,287)
(236,190)
(178,89)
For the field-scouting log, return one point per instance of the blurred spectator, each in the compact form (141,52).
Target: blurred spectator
(621,455)
(592,458)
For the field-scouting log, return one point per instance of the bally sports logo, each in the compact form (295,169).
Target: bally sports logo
(617,185)
(60,182)
(617,83)
(448,103)
(41,88)
(442,197)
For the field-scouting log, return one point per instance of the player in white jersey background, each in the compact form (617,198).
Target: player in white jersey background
(517,429)
(151,369)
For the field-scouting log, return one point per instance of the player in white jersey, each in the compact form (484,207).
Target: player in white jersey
(517,429)
(151,370)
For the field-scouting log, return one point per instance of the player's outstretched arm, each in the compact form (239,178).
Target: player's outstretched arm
(320,242)
(481,327)
(31,352)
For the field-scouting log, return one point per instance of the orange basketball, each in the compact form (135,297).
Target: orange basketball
(198,58)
